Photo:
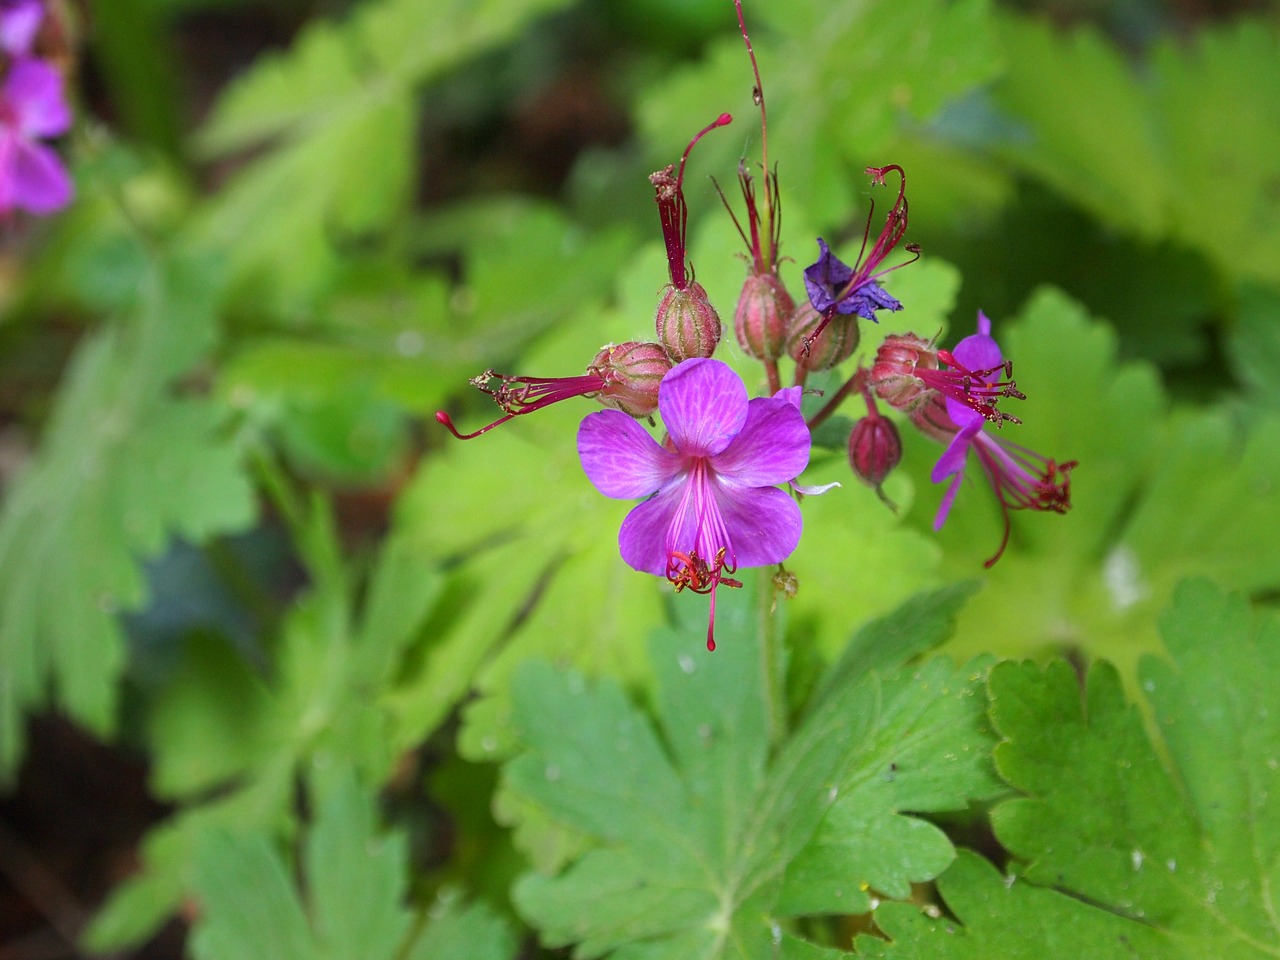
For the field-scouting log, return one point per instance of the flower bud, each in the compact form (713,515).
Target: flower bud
(875,448)
(833,345)
(931,419)
(761,316)
(631,373)
(894,375)
(688,326)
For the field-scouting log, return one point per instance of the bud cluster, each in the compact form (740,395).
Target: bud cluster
(951,396)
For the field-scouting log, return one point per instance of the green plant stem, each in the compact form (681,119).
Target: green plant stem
(775,381)
(852,385)
(772,660)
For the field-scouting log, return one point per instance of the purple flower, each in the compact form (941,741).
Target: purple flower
(19,23)
(829,284)
(32,176)
(836,288)
(1022,479)
(713,505)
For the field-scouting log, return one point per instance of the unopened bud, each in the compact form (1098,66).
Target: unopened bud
(833,345)
(688,326)
(875,448)
(761,316)
(631,372)
(895,373)
(931,419)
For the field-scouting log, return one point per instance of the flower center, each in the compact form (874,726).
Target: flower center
(698,559)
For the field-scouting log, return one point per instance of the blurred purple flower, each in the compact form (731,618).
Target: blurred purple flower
(713,505)
(1022,479)
(32,176)
(19,23)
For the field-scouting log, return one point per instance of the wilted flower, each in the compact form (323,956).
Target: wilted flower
(713,501)
(1022,479)
(32,107)
(836,288)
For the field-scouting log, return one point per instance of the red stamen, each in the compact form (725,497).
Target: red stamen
(688,570)
(522,395)
(974,388)
(1023,480)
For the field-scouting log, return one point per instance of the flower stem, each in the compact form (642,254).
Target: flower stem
(775,380)
(773,658)
(853,385)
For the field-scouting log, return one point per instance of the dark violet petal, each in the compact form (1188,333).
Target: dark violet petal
(773,446)
(19,22)
(33,91)
(620,458)
(764,524)
(948,498)
(827,278)
(38,181)
(642,541)
(703,405)
(867,299)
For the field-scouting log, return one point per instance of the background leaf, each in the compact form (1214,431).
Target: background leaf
(126,464)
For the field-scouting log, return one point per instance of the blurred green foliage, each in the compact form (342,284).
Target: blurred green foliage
(286,254)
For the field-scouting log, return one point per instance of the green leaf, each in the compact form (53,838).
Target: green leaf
(695,819)
(910,59)
(251,911)
(124,465)
(339,108)
(1133,144)
(458,932)
(1005,917)
(1179,833)
(1098,147)
(352,901)
(356,879)
(320,708)
(211,718)
(1255,344)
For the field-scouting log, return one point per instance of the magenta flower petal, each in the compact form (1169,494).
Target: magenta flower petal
(948,498)
(792,395)
(33,93)
(773,446)
(979,351)
(716,507)
(620,458)
(19,23)
(764,524)
(37,180)
(703,405)
(953,458)
(642,541)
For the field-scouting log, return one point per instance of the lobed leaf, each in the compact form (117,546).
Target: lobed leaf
(1171,824)
(125,464)
(693,821)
